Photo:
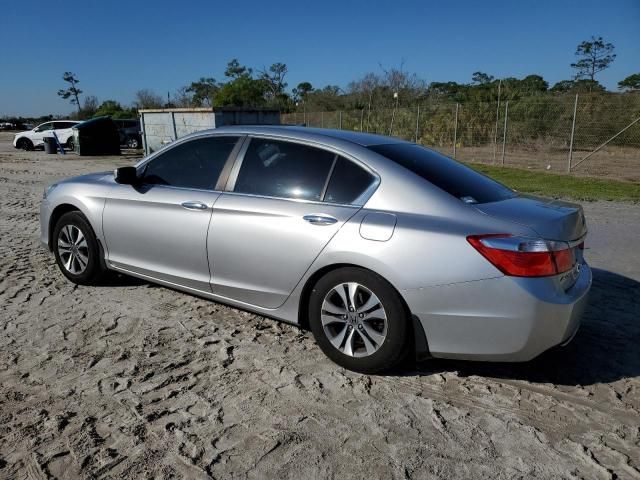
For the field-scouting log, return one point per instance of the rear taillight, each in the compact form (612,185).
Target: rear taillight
(524,257)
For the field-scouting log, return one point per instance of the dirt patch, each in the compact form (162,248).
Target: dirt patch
(132,380)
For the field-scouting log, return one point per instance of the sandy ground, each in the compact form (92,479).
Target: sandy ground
(133,380)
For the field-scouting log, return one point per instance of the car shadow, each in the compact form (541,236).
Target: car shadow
(113,279)
(605,349)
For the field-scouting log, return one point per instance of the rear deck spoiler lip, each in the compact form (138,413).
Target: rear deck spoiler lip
(578,241)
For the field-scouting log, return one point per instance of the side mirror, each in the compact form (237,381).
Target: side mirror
(126,175)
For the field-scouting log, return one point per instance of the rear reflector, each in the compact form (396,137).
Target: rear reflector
(524,257)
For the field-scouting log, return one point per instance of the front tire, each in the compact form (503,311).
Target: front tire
(359,320)
(25,144)
(76,249)
(133,142)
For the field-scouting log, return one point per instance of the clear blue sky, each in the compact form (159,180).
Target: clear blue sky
(116,47)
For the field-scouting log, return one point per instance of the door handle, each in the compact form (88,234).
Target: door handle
(194,205)
(319,219)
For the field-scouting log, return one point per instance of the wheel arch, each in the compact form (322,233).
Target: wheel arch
(418,336)
(23,139)
(58,212)
(64,208)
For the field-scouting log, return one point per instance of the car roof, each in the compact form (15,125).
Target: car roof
(321,134)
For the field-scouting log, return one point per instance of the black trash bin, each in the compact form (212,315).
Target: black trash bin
(98,136)
(50,145)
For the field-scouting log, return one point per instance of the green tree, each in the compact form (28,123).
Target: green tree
(534,84)
(481,78)
(72,91)
(203,91)
(631,83)
(594,56)
(108,108)
(235,70)
(243,91)
(577,86)
(301,91)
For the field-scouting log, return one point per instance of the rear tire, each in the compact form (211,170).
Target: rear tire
(133,142)
(369,332)
(70,144)
(76,250)
(25,144)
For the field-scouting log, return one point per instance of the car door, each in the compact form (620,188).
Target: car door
(40,132)
(63,131)
(159,228)
(266,232)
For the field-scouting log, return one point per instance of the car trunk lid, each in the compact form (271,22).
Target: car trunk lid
(551,219)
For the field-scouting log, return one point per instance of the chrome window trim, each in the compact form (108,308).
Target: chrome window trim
(323,193)
(184,189)
(180,141)
(298,200)
(358,202)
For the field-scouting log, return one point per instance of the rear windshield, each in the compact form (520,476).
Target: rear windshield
(445,173)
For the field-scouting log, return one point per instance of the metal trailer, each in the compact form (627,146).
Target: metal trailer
(163,126)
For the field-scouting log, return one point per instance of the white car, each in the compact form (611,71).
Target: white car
(31,139)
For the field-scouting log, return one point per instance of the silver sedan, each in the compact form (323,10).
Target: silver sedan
(383,248)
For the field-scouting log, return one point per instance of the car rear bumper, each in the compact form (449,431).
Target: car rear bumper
(506,319)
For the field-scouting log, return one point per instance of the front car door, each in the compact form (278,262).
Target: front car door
(40,132)
(268,230)
(159,228)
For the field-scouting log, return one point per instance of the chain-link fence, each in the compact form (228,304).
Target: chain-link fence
(590,134)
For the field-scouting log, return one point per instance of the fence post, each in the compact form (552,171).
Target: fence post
(504,133)
(417,124)
(573,129)
(495,136)
(321,119)
(393,115)
(304,117)
(340,120)
(455,131)
(361,120)
(295,118)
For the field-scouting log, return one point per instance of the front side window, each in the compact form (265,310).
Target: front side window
(193,164)
(44,127)
(348,182)
(275,168)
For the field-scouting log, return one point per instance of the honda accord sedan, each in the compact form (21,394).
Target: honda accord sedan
(383,248)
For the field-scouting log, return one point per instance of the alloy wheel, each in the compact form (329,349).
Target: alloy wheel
(354,319)
(73,249)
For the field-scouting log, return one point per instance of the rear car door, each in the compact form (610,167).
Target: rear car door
(63,131)
(159,228)
(269,228)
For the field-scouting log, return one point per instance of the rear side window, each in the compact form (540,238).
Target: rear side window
(283,169)
(445,173)
(193,164)
(348,182)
